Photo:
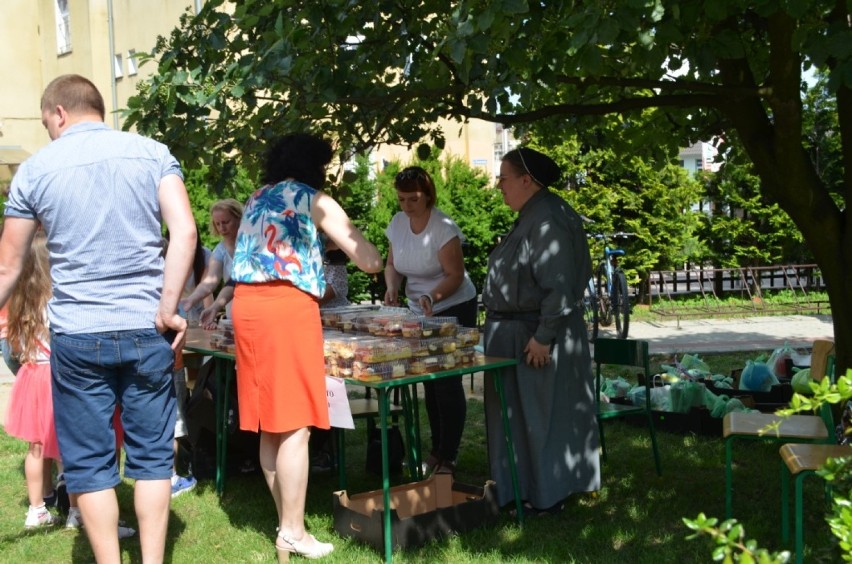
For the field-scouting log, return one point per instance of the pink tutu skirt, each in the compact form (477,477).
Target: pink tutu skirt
(29,415)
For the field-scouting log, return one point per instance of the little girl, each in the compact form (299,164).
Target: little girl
(30,412)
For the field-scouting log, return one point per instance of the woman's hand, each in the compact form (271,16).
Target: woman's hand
(538,355)
(426,304)
(392,297)
(208,316)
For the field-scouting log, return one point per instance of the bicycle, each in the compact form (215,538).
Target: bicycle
(606,298)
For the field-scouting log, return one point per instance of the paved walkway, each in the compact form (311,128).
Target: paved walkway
(723,335)
(666,337)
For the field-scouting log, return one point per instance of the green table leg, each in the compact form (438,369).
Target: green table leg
(383,416)
(416,418)
(785,503)
(510,447)
(729,478)
(413,452)
(224,371)
(341,458)
(798,508)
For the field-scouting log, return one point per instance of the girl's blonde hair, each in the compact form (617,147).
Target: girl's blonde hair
(28,302)
(229,205)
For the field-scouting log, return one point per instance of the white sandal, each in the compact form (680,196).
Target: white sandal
(316,550)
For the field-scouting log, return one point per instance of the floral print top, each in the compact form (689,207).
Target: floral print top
(278,240)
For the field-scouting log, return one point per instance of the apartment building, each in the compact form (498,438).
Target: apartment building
(42,39)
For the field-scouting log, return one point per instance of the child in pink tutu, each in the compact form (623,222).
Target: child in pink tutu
(30,412)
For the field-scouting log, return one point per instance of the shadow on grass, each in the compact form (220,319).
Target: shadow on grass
(635,517)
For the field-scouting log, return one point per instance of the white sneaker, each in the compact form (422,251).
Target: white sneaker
(39,517)
(125,532)
(75,521)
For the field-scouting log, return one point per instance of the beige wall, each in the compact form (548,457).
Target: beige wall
(21,59)
(29,57)
(472,142)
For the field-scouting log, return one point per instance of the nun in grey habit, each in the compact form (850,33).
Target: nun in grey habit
(533,298)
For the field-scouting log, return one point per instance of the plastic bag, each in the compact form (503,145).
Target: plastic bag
(722,381)
(661,398)
(637,395)
(693,362)
(685,395)
(616,388)
(718,409)
(801,382)
(778,361)
(724,405)
(757,377)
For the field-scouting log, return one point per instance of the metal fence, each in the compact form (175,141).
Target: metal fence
(752,287)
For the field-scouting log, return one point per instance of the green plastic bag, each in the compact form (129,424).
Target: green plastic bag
(801,382)
(685,395)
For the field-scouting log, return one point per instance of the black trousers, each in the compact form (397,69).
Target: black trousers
(446,404)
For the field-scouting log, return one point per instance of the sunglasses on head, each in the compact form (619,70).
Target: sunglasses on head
(411,173)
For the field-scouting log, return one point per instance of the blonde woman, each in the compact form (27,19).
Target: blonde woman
(225,216)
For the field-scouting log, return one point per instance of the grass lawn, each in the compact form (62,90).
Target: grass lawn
(635,517)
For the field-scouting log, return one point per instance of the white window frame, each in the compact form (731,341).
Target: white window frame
(132,66)
(63,26)
(119,67)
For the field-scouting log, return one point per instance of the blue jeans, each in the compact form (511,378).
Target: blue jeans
(92,374)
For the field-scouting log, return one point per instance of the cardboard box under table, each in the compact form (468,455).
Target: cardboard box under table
(493,365)
(420,511)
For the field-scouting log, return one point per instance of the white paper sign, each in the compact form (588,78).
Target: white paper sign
(339,413)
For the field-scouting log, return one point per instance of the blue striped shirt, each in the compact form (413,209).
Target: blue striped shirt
(95,191)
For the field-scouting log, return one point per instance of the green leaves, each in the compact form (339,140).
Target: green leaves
(386,72)
(731,544)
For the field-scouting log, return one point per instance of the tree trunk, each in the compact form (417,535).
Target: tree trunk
(836,276)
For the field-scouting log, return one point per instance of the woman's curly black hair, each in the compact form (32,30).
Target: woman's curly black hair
(300,156)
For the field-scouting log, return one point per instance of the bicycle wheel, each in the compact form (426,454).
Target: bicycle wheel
(620,304)
(604,305)
(590,310)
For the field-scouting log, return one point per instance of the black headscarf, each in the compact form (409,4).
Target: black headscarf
(542,168)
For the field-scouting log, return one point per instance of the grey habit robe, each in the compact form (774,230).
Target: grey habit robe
(535,282)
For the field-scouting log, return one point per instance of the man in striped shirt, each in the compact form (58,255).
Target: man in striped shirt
(101,196)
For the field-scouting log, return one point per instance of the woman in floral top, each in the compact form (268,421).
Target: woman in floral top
(278,270)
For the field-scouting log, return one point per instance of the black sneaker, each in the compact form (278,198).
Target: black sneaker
(62,501)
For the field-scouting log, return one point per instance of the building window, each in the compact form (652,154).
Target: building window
(132,66)
(699,164)
(63,27)
(119,69)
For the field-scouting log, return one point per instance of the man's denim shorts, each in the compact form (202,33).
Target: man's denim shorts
(94,372)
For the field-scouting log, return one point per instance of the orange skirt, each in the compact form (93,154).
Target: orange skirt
(280,365)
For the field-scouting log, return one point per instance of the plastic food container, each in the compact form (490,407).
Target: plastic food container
(467,336)
(440,326)
(226,327)
(430,364)
(381,350)
(441,345)
(378,371)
